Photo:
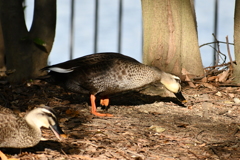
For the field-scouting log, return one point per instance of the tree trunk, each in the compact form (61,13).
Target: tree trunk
(236,70)
(27,52)
(2,55)
(170,37)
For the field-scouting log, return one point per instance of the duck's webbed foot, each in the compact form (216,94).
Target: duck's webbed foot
(94,108)
(104,102)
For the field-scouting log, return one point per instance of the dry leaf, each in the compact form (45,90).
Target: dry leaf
(229,89)
(185,72)
(232,95)
(189,82)
(204,79)
(212,78)
(230,79)
(84,157)
(157,128)
(236,100)
(208,85)
(219,94)
(222,77)
(187,79)
(72,113)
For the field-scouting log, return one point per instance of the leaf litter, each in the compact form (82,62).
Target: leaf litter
(143,127)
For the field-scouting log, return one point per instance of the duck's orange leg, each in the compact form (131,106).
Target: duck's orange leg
(94,108)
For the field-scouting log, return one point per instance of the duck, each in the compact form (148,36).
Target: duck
(25,132)
(105,74)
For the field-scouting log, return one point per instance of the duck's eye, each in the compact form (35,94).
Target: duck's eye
(41,114)
(178,80)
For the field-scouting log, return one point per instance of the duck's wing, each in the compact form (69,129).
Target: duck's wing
(8,128)
(88,61)
(82,74)
(6,110)
(8,118)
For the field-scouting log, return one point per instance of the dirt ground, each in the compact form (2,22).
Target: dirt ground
(143,127)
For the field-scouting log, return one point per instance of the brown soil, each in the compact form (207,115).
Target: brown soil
(143,127)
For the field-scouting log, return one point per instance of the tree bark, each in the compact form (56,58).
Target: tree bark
(27,52)
(2,54)
(236,70)
(170,37)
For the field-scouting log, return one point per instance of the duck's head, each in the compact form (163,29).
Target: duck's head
(172,83)
(45,117)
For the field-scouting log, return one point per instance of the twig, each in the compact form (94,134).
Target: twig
(212,43)
(193,154)
(214,151)
(64,152)
(219,52)
(229,85)
(131,152)
(94,145)
(220,65)
(229,54)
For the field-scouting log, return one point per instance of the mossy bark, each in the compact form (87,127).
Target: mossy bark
(27,51)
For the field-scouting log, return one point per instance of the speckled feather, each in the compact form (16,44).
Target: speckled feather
(18,132)
(103,74)
(15,132)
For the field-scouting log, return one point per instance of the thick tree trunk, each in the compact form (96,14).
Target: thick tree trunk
(170,37)
(236,72)
(2,54)
(27,52)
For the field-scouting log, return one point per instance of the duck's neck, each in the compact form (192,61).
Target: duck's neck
(34,132)
(157,74)
(30,120)
(27,136)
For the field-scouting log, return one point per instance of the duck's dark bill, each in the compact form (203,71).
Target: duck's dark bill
(58,131)
(180,97)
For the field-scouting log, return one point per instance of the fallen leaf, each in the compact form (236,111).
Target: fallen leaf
(236,100)
(208,85)
(222,77)
(184,71)
(212,78)
(157,128)
(204,79)
(219,94)
(231,95)
(187,79)
(72,113)
(190,107)
(228,102)
(82,157)
(202,145)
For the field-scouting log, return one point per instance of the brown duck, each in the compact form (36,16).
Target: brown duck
(18,132)
(104,74)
